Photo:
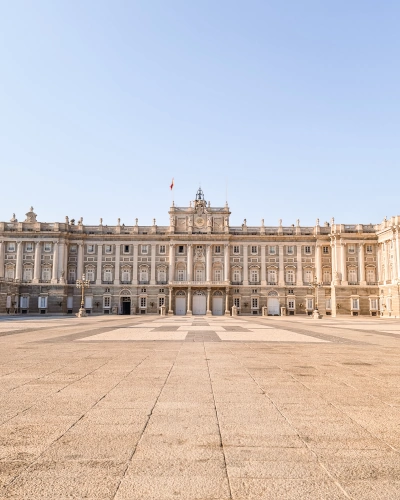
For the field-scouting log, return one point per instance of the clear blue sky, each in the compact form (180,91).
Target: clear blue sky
(294,104)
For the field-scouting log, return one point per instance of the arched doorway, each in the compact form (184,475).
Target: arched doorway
(180,303)
(199,303)
(273,304)
(217,304)
(125,302)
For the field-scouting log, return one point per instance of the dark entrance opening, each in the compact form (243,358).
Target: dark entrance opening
(126,305)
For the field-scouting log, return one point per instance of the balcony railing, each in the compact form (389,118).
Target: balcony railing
(126,282)
(144,282)
(197,283)
(251,282)
(237,282)
(274,283)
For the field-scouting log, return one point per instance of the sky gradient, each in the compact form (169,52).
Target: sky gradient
(292,108)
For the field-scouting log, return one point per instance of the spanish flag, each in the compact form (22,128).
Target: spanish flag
(172,184)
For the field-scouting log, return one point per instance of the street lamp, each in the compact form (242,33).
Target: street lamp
(316,284)
(83,283)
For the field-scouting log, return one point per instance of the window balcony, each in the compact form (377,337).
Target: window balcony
(274,283)
(104,282)
(162,282)
(144,282)
(290,283)
(126,282)
(237,283)
(353,282)
(251,282)
(372,282)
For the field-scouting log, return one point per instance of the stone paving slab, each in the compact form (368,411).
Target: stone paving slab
(89,408)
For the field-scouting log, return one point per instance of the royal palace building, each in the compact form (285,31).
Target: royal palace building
(200,264)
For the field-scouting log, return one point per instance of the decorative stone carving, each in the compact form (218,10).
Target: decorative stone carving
(30,216)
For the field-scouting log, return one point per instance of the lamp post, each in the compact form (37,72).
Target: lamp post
(397,282)
(82,283)
(315,284)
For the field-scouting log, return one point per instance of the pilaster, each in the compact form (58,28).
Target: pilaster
(99,264)
(263,266)
(117,264)
(245,264)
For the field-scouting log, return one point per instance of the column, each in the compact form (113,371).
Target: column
(245,264)
(263,267)
(208,301)
(135,264)
(398,253)
(281,277)
(2,244)
(170,311)
(344,264)
(299,270)
(171,262)
(153,265)
(189,263)
(99,264)
(79,270)
(54,276)
(226,263)
(189,301)
(18,270)
(361,264)
(227,313)
(378,263)
(61,260)
(66,262)
(386,261)
(117,263)
(208,263)
(36,269)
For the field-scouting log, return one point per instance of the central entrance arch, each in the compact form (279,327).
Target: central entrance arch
(199,303)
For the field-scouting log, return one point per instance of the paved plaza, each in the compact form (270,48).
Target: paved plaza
(198,407)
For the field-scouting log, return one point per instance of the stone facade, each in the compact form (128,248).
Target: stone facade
(200,264)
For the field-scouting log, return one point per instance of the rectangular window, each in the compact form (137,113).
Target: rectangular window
(162,248)
(325,250)
(309,304)
(11,247)
(271,276)
(254,303)
(90,248)
(107,248)
(161,301)
(217,248)
(272,250)
(106,302)
(29,247)
(307,250)
(88,302)
(73,249)
(289,276)
(143,290)
(369,248)
(126,248)
(328,306)
(236,249)
(290,291)
(254,250)
(144,249)
(290,250)
(90,274)
(47,247)
(217,275)
(181,249)
(181,275)
(307,276)
(24,302)
(42,302)
(355,304)
(143,302)
(254,275)
(373,304)
(291,304)
(236,301)
(352,249)
(70,302)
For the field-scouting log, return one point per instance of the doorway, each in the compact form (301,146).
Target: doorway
(199,303)
(126,305)
(217,305)
(273,306)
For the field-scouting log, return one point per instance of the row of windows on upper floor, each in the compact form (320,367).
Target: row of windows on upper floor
(217,249)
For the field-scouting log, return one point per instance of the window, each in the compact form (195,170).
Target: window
(180,249)
(24,302)
(290,276)
(162,249)
(254,275)
(236,302)
(308,276)
(254,303)
(217,274)
(144,249)
(162,275)
(352,275)
(27,276)
(373,304)
(254,290)
(46,274)
(355,304)
(47,247)
(181,275)
(368,248)
(290,291)
(88,302)
(161,301)
(42,302)
(143,290)
(388,303)
(90,273)
(90,248)
(272,250)
(11,247)
(29,247)
(107,275)
(254,250)
(352,249)
(328,304)
(10,272)
(72,275)
(271,276)
(162,290)
(309,304)
(217,248)
(291,304)
(307,249)
(326,276)
(107,248)
(126,248)
(290,250)
(325,250)
(144,275)
(199,275)
(106,302)
(236,290)
(107,290)
(126,274)
(73,249)
(143,302)
(370,275)
(236,249)
(236,276)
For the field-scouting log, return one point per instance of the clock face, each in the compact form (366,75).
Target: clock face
(199,221)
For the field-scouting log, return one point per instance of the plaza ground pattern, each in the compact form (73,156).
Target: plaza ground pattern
(199,407)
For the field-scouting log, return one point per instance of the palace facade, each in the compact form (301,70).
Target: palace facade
(200,264)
